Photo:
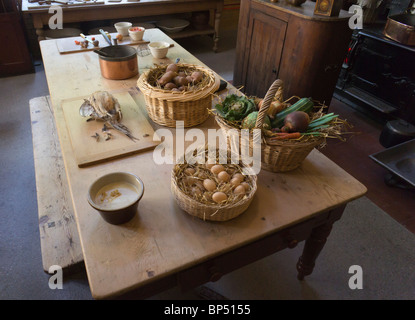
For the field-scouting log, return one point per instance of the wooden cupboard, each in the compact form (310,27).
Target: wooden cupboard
(14,54)
(278,40)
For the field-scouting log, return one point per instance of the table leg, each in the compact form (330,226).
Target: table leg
(315,243)
(217,13)
(40,34)
(38,25)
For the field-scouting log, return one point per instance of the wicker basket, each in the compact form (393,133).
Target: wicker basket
(212,212)
(281,156)
(165,107)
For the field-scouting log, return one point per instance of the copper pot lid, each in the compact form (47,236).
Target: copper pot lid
(117,53)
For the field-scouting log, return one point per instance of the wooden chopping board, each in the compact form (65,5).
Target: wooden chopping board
(88,150)
(68,45)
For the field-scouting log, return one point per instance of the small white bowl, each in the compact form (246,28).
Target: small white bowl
(136,33)
(159,49)
(122,27)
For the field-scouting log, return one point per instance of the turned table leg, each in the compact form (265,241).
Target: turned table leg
(217,14)
(40,34)
(315,243)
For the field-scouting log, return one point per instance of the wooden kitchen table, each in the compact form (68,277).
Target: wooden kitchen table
(104,9)
(162,246)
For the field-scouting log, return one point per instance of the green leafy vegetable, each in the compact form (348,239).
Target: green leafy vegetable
(235,108)
(250,121)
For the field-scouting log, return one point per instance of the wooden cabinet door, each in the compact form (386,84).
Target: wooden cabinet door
(264,45)
(14,55)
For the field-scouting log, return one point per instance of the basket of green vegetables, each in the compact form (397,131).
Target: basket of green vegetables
(289,131)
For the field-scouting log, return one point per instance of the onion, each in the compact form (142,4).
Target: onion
(296,121)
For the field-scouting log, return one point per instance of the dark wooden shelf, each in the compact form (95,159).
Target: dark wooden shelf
(190,32)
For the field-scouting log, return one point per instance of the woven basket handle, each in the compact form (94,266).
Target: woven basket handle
(267,102)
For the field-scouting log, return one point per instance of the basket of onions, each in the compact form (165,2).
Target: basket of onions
(289,132)
(178,92)
(213,190)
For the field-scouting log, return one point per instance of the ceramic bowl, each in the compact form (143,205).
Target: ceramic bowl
(116,196)
(50,34)
(122,27)
(172,25)
(136,33)
(159,49)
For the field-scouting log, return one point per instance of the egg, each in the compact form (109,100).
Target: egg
(209,184)
(239,190)
(219,197)
(217,168)
(209,165)
(223,176)
(246,185)
(235,182)
(239,176)
(189,171)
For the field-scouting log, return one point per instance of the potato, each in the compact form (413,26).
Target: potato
(169,86)
(167,77)
(180,81)
(181,74)
(172,67)
(197,76)
(189,79)
(176,80)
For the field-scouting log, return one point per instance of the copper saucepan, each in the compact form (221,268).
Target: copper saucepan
(401,28)
(117,62)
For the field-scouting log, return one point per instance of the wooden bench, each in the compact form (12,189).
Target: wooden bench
(59,239)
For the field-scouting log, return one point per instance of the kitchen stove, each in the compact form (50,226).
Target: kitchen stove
(378,76)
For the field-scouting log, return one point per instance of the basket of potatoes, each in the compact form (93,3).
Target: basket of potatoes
(213,190)
(178,92)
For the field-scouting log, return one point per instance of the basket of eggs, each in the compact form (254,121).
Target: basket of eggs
(212,190)
(178,92)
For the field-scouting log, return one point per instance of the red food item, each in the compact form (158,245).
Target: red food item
(93,38)
(77,42)
(136,29)
(296,121)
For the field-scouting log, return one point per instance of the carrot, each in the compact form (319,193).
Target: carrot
(280,133)
(283,135)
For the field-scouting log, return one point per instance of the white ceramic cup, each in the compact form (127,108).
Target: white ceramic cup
(122,28)
(159,49)
(136,33)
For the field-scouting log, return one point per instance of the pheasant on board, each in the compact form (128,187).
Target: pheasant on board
(103,106)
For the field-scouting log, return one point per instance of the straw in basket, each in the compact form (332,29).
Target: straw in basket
(205,209)
(165,107)
(281,156)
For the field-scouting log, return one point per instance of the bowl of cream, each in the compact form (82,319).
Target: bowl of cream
(116,196)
